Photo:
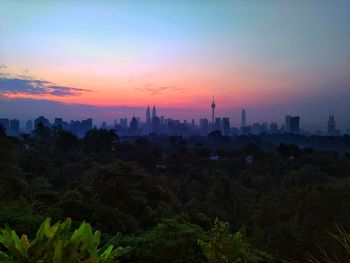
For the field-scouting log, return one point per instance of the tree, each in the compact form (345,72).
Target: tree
(100,143)
(172,240)
(224,247)
(12,183)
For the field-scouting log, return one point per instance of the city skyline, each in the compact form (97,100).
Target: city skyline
(159,124)
(106,59)
(144,115)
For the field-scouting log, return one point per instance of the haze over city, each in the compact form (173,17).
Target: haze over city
(110,59)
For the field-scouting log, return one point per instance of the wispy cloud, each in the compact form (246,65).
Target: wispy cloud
(158,90)
(29,86)
(2,66)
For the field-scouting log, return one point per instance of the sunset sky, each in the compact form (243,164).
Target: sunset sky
(116,57)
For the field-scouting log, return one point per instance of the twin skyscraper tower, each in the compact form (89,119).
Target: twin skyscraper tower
(152,121)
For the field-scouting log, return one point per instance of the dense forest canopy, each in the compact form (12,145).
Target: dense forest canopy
(160,196)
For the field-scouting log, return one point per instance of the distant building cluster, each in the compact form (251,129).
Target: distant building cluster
(12,127)
(155,124)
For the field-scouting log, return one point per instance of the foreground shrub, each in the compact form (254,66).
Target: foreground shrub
(56,244)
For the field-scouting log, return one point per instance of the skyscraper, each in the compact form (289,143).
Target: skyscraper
(123,123)
(14,127)
(213,112)
(133,126)
(148,120)
(292,124)
(155,124)
(203,126)
(217,125)
(154,112)
(331,125)
(226,127)
(287,123)
(148,114)
(5,123)
(45,122)
(243,119)
(86,125)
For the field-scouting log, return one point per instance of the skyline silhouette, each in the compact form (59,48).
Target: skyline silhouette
(109,59)
(160,124)
(106,59)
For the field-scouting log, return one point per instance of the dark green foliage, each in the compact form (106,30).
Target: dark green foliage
(172,240)
(12,182)
(56,244)
(287,200)
(20,215)
(224,247)
(100,144)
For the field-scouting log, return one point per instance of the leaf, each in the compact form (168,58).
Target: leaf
(55,244)
(25,241)
(13,243)
(58,253)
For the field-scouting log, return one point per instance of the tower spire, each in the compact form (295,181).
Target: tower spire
(213,105)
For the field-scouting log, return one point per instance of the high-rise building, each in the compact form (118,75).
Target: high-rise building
(217,125)
(104,125)
(45,122)
(123,123)
(292,124)
(14,127)
(86,125)
(156,125)
(246,130)
(256,128)
(148,114)
(148,125)
(331,125)
(154,111)
(5,123)
(213,106)
(287,123)
(133,126)
(235,131)
(226,127)
(204,126)
(243,119)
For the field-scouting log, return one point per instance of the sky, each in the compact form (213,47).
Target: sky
(114,58)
